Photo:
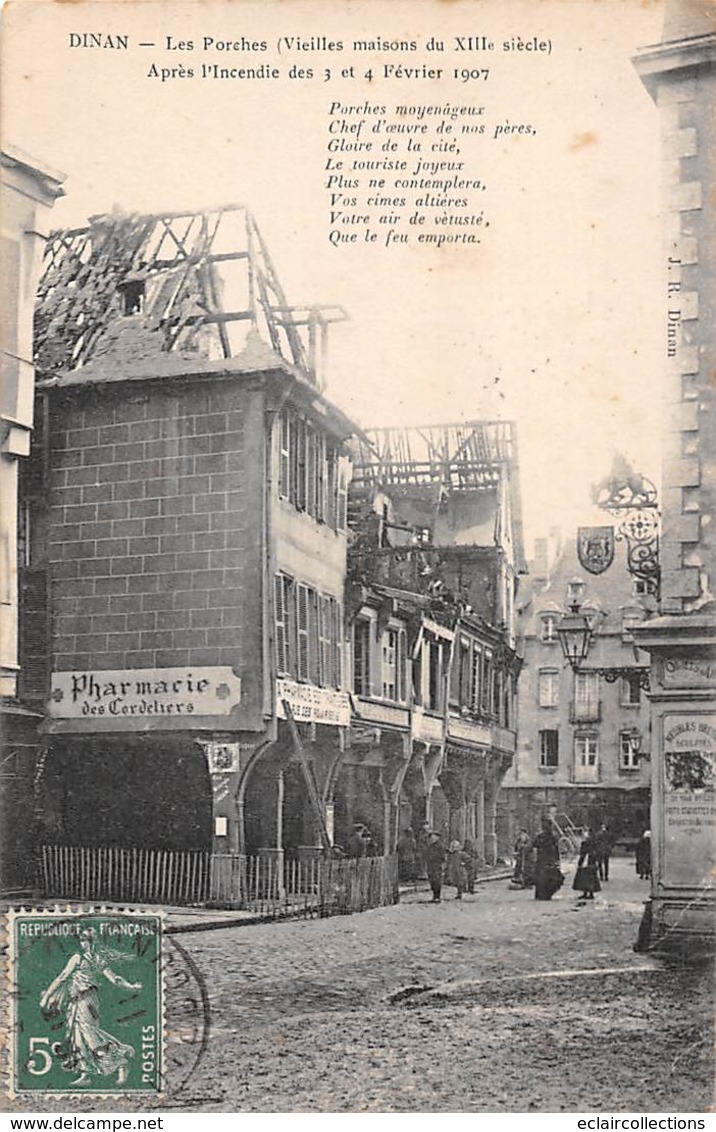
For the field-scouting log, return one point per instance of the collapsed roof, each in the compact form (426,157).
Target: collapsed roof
(192,284)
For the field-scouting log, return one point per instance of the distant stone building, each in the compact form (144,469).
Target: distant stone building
(680,75)
(584,742)
(29,190)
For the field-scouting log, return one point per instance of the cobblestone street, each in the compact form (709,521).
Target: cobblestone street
(496,1003)
(541,1006)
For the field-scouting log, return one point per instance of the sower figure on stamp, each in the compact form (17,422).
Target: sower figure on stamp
(89,1049)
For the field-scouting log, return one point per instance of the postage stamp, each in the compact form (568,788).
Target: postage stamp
(86,1002)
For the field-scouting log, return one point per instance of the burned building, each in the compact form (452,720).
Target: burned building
(188,492)
(433,572)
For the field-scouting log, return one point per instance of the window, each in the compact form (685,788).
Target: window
(284,472)
(336,642)
(548,627)
(435,672)
(133,296)
(586,695)
(497,685)
(628,751)
(465,675)
(393,662)
(586,750)
(630,690)
(311,475)
(303,667)
(486,678)
(325,635)
(308,633)
(24,538)
(549,748)
(361,657)
(418,677)
(476,674)
(283,591)
(548,687)
(507,700)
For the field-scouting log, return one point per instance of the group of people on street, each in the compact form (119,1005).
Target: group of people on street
(537,861)
(426,855)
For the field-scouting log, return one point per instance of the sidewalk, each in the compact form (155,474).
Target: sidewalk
(182,920)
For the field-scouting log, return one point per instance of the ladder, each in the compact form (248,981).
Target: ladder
(569,834)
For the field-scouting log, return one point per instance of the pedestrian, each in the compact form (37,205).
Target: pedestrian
(523,848)
(468,849)
(586,878)
(407,856)
(643,855)
(604,843)
(456,873)
(435,861)
(548,876)
(357,843)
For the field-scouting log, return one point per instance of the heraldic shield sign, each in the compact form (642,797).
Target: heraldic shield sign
(595,547)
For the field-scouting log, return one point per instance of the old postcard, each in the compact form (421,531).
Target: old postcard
(357,540)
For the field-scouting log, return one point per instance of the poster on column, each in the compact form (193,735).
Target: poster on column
(289,237)
(689,801)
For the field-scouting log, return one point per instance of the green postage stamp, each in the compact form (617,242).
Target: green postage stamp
(86,1002)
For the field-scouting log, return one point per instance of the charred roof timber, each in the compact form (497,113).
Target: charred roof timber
(456,457)
(198,281)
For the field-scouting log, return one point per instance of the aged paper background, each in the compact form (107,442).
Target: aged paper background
(553,319)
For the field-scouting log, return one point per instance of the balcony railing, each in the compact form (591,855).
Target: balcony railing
(589,711)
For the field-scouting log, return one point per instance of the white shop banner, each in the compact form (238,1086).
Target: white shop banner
(144,692)
(310,704)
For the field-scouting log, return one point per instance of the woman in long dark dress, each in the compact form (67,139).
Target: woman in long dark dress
(548,877)
(643,855)
(586,878)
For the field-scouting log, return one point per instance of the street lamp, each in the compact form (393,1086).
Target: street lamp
(633,738)
(575,636)
(576,631)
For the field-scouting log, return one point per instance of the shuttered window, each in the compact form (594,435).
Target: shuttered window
(402,662)
(284,474)
(336,642)
(282,590)
(303,668)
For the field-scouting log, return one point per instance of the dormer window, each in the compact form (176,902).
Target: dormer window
(133,296)
(548,627)
(575,592)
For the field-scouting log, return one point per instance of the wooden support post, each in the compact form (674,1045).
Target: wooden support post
(310,781)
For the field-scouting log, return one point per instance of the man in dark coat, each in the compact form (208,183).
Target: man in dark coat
(435,861)
(603,843)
